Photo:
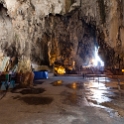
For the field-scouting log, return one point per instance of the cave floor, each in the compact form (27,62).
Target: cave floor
(65,100)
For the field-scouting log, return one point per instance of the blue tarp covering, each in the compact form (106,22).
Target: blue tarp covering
(40,75)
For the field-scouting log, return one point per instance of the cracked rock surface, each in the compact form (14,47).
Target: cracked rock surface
(47,31)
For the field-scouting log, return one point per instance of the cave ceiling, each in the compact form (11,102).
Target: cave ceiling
(62,31)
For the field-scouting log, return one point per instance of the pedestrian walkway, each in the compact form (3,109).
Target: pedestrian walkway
(73,101)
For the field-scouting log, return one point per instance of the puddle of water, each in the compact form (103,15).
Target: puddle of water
(32,91)
(105,95)
(109,106)
(101,79)
(36,100)
(115,107)
(105,105)
(75,85)
(97,92)
(100,92)
(98,95)
(74,99)
(106,99)
(92,101)
(57,83)
(113,97)
(98,85)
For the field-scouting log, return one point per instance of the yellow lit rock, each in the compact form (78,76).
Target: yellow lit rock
(123,70)
(60,70)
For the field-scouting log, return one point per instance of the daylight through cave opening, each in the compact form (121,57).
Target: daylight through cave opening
(73,43)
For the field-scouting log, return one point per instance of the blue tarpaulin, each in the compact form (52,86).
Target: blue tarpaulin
(40,75)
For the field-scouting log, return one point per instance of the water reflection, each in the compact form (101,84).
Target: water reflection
(102,79)
(105,94)
(57,83)
(75,85)
(96,85)
(99,96)
(74,99)
(98,92)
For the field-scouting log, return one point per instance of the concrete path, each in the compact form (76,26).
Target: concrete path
(64,100)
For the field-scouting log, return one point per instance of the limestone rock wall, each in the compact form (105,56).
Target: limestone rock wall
(46,31)
(69,39)
(108,16)
(6,32)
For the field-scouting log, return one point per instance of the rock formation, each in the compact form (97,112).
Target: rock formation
(63,31)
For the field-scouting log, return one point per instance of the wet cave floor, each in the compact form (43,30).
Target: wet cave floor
(65,100)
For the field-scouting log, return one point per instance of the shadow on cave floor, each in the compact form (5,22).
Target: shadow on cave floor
(25,91)
(32,100)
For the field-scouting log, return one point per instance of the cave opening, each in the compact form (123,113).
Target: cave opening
(74,43)
(92,58)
